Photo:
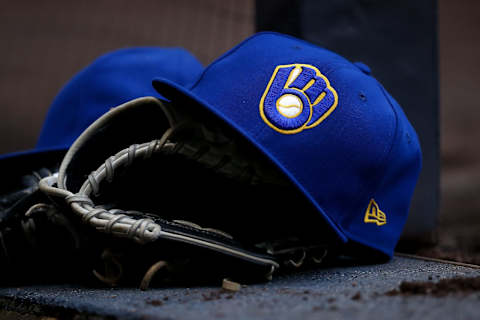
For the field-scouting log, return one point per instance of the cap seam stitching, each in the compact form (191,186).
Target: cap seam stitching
(223,56)
(241,44)
(395,136)
(382,169)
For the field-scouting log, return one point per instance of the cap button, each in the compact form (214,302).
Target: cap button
(363,67)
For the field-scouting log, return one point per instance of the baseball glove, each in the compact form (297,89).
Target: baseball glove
(154,193)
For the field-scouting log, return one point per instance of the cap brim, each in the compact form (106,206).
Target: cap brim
(17,164)
(32,153)
(174,92)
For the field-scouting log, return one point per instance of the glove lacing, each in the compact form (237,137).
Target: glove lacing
(119,222)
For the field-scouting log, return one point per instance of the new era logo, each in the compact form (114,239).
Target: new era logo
(374,214)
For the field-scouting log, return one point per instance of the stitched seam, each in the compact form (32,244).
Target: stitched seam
(395,136)
(383,163)
(381,168)
(241,44)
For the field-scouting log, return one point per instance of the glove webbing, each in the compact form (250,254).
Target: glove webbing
(112,221)
(141,230)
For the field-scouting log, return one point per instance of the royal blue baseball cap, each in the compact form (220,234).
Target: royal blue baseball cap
(110,80)
(325,122)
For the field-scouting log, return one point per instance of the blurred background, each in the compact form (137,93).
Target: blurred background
(44,43)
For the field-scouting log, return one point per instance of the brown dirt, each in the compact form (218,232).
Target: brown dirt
(217,295)
(464,255)
(437,289)
(154,302)
(357,296)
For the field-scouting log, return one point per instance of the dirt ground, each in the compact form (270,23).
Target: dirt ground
(437,289)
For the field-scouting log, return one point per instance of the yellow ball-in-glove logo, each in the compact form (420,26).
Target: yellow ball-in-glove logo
(297,97)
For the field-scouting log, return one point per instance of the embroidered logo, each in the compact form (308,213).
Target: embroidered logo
(374,214)
(297,97)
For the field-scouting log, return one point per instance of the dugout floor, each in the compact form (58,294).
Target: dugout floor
(360,292)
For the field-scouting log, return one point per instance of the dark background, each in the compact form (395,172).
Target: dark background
(44,43)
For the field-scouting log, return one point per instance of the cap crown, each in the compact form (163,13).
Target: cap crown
(329,125)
